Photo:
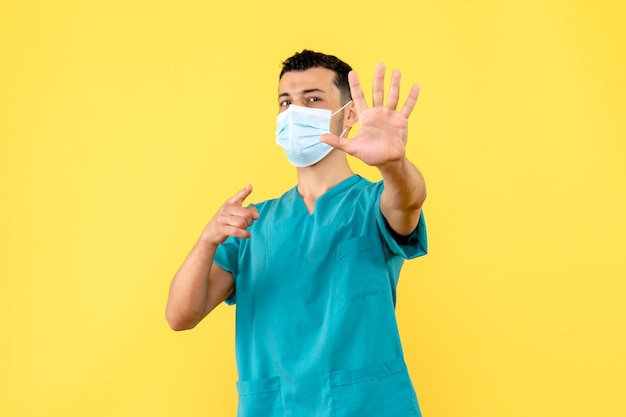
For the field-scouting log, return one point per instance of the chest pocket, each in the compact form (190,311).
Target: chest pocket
(359,269)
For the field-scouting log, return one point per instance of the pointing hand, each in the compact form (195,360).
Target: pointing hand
(232,219)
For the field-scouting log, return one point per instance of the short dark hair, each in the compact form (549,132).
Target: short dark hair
(307,59)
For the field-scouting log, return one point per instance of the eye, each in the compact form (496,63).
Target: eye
(284,103)
(312,99)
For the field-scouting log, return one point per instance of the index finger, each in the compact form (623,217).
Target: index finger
(240,196)
(357,92)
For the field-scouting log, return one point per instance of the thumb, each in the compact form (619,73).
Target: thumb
(337,142)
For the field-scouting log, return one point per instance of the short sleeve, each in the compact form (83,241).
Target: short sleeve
(408,247)
(227,258)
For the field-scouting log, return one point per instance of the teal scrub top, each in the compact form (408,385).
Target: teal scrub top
(316,332)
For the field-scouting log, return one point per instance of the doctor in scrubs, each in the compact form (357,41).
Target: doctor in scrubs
(313,273)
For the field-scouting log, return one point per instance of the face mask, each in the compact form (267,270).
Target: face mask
(298,131)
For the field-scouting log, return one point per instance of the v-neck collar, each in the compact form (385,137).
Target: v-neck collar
(332,191)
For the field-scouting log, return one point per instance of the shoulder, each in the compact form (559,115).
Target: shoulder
(368,189)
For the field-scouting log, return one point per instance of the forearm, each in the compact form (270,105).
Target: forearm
(199,285)
(187,299)
(403,195)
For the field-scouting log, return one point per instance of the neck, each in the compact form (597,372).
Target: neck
(315,180)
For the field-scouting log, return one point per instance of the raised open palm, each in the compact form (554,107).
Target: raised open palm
(383,129)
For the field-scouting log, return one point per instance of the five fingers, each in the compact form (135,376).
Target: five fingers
(378,92)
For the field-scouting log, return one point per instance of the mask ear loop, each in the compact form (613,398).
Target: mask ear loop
(340,109)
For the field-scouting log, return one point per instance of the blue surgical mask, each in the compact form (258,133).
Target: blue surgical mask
(298,131)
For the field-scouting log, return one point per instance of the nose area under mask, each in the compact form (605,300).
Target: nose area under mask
(298,132)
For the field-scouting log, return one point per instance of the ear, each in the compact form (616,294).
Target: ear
(351,115)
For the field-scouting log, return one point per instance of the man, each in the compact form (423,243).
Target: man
(314,272)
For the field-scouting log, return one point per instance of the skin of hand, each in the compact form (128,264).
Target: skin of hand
(383,130)
(381,142)
(232,219)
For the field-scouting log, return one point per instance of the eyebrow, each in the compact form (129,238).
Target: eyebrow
(303,92)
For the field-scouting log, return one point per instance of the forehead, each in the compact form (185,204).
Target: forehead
(294,82)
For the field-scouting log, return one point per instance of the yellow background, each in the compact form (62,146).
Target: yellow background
(124,125)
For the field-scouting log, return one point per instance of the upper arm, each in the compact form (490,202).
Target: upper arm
(221,285)
(408,246)
(402,221)
(402,197)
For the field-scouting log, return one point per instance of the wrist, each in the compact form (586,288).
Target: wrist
(393,168)
(208,241)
